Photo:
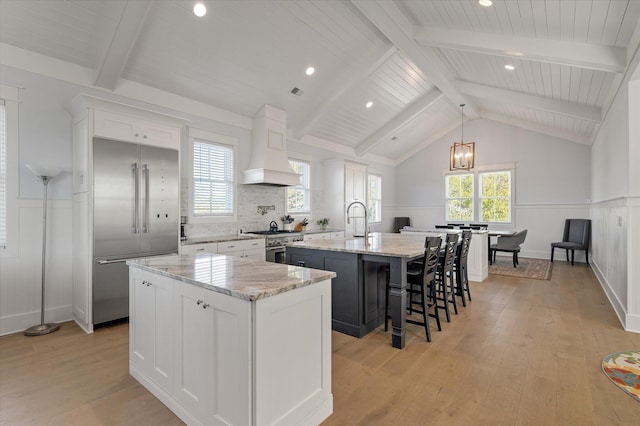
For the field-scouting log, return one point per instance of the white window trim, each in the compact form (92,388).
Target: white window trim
(11,96)
(216,138)
(299,159)
(379,176)
(476,195)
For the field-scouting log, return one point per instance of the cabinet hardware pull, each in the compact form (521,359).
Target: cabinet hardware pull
(199,302)
(205,305)
(147,283)
(301,263)
(137,135)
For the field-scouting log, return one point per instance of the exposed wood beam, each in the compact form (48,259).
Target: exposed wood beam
(119,47)
(393,23)
(340,85)
(591,56)
(388,129)
(431,139)
(504,96)
(327,145)
(527,125)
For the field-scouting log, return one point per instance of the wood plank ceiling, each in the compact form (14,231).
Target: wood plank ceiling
(416,60)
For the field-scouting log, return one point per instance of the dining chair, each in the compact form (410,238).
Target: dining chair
(576,236)
(510,244)
(445,290)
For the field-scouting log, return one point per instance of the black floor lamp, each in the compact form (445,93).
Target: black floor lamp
(45,174)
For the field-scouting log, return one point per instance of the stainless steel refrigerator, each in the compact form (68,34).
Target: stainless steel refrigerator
(135,214)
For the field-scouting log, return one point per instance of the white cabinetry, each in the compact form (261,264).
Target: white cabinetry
(91,118)
(215,359)
(212,355)
(324,236)
(129,129)
(344,182)
(249,249)
(150,345)
(199,248)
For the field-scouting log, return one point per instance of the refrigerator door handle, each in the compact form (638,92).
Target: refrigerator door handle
(145,223)
(136,202)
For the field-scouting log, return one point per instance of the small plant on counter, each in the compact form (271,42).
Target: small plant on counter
(286,219)
(323,222)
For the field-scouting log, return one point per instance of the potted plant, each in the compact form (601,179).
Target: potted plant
(286,220)
(323,222)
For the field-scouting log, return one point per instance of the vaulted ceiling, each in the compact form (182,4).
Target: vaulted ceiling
(416,60)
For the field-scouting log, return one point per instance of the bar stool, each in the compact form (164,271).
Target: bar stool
(460,267)
(445,292)
(422,283)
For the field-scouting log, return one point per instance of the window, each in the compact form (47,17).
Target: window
(495,197)
(213,186)
(299,197)
(374,197)
(3,174)
(459,197)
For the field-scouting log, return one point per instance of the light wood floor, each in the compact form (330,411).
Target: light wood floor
(523,352)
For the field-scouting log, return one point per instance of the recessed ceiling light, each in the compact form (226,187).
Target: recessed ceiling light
(485,3)
(369,104)
(509,67)
(310,71)
(199,9)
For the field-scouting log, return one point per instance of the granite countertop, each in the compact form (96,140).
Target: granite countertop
(399,245)
(218,239)
(443,231)
(234,276)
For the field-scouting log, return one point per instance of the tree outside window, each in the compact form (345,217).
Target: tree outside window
(459,195)
(495,197)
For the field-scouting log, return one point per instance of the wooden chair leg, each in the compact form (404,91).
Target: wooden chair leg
(567,253)
(586,254)
(515,262)
(552,248)
(573,252)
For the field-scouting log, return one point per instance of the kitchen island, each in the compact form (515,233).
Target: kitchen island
(226,340)
(358,291)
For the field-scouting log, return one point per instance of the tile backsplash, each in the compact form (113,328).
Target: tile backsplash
(249,197)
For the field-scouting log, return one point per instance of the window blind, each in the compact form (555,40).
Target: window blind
(212,179)
(3,175)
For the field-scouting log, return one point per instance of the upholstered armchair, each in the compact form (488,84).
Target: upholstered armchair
(576,236)
(510,244)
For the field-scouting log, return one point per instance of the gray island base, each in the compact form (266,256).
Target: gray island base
(225,340)
(358,291)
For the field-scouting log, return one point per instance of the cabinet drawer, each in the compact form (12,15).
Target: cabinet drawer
(240,245)
(337,235)
(319,236)
(199,248)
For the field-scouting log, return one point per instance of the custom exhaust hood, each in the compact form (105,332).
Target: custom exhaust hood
(269,164)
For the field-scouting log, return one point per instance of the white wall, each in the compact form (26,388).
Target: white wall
(616,195)
(552,180)
(45,137)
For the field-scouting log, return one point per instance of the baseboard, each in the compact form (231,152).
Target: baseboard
(632,323)
(618,307)
(16,323)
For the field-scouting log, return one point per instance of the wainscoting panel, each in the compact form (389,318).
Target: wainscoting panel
(20,278)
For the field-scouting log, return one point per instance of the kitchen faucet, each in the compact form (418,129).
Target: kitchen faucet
(366,218)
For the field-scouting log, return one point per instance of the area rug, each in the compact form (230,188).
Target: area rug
(623,369)
(537,269)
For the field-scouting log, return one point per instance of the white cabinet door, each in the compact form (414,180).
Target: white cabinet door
(212,361)
(131,129)
(151,328)
(255,254)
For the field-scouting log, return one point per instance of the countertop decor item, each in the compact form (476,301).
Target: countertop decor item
(461,155)
(623,369)
(323,222)
(44,174)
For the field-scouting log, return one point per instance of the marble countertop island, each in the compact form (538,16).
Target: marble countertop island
(381,244)
(242,278)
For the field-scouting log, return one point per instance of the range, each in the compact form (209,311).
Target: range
(276,241)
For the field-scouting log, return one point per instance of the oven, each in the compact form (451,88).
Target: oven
(275,244)
(277,254)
